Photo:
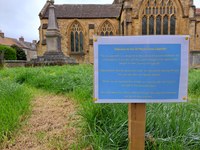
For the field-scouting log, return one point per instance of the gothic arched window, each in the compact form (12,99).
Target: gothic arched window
(77,38)
(158,25)
(144,25)
(151,25)
(159,17)
(106,29)
(172,25)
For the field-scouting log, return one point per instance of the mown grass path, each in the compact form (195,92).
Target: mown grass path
(52,125)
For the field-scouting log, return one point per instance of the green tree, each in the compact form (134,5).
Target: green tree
(19,52)
(9,52)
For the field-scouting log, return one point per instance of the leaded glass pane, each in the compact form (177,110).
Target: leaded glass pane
(158,25)
(144,25)
(102,34)
(163,10)
(106,33)
(151,25)
(172,25)
(111,33)
(72,41)
(165,25)
(147,11)
(81,41)
(171,10)
(77,41)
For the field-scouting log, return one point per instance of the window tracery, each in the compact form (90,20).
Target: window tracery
(159,17)
(106,29)
(77,38)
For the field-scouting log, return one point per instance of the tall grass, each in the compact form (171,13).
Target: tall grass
(14,105)
(105,126)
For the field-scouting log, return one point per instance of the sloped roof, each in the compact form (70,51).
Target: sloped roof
(9,41)
(85,11)
(198,11)
(31,46)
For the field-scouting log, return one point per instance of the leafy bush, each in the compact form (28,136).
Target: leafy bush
(19,52)
(9,53)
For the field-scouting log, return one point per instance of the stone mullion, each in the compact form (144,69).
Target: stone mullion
(169,22)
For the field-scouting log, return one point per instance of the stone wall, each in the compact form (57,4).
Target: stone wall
(14,63)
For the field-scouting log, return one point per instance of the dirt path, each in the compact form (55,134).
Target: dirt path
(50,126)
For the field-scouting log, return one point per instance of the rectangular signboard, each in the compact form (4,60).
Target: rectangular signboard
(141,69)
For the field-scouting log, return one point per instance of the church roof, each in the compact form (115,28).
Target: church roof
(85,11)
(198,11)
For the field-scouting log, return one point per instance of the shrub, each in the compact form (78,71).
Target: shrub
(9,53)
(19,52)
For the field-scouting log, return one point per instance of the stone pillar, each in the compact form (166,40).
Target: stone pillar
(54,53)
(53,37)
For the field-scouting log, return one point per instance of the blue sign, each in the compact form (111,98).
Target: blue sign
(138,72)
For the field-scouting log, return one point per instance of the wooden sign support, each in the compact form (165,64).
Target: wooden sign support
(136,122)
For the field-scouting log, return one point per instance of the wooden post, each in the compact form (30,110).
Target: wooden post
(137,123)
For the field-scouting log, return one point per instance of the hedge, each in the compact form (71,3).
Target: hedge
(9,53)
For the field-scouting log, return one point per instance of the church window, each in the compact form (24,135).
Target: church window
(111,33)
(77,42)
(151,25)
(106,29)
(72,41)
(165,25)
(77,38)
(159,17)
(172,25)
(144,25)
(158,25)
(81,41)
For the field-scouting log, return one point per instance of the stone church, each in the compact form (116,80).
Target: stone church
(77,23)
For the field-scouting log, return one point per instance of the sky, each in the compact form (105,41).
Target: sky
(20,18)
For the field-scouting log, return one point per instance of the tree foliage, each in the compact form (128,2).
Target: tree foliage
(19,52)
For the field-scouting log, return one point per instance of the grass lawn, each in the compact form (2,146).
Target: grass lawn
(104,126)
